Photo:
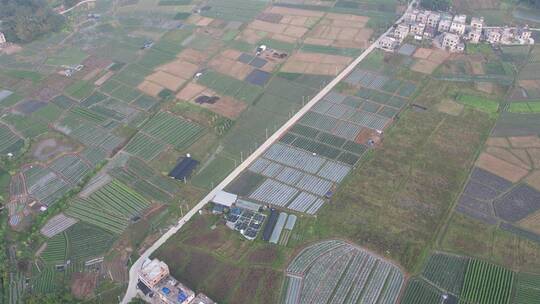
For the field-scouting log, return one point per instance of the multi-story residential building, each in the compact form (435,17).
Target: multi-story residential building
(452,42)
(388,43)
(493,36)
(508,35)
(422,16)
(430,32)
(401,31)
(474,36)
(458,25)
(152,272)
(524,34)
(445,23)
(410,16)
(433,19)
(418,29)
(477,23)
(2,38)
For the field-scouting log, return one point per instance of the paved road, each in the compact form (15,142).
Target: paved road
(75,6)
(132,291)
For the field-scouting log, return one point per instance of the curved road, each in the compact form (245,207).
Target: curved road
(131,291)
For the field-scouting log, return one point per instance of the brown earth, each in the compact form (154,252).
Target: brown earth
(192,90)
(424,66)
(486,87)
(230,67)
(212,239)
(525,142)
(83,284)
(166,80)
(498,142)
(422,53)
(535,157)
(193,56)
(531,222)
(534,180)
(104,78)
(150,88)
(508,156)
(180,68)
(226,106)
(314,63)
(501,168)
(264,255)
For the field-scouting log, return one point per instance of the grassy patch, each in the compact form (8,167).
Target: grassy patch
(24,75)
(524,107)
(213,173)
(479,103)
(80,89)
(67,56)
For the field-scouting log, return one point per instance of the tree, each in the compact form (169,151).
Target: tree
(436,5)
(26,20)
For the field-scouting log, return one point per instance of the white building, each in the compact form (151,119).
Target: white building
(452,42)
(410,16)
(458,25)
(401,32)
(2,38)
(152,272)
(388,43)
(445,23)
(474,36)
(493,36)
(477,23)
(433,19)
(418,29)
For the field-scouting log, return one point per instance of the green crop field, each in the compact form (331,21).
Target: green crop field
(56,250)
(9,141)
(110,208)
(173,130)
(68,57)
(479,103)
(80,89)
(420,292)
(87,241)
(446,271)
(487,283)
(144,146)
(524,107)
(230,86)
(526,289)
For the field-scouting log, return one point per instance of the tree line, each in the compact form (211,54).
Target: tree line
(26,20)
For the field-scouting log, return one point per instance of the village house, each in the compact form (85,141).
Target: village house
(459,25)
(430,32)
(493,36)
(452,42)
(388,43)
(422,16)
(474,36)
(477,23)
(418,29)
(410,16)
(445,23)
(2,38)
(401,32)
(433,20)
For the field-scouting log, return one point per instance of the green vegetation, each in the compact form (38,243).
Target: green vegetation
(67,56)
(524,107)
(80,89)
(487,283)
(479,103)
(26,20)
(436,5)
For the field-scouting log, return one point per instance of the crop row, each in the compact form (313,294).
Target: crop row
(9,142)
(446,271)
(486,283)
(144,147)
(173,130)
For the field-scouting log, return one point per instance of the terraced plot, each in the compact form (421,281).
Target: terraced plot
(110,208)
(9,141)
(336,272)
(164,128)
(487,283)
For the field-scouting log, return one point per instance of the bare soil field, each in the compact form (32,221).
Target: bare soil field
(525,141)
(83,284)
(150,88)
(531,223)
(193,56)
(166,80)
(340,30)
(422,53)
(501,168)
(533,180)
(509,156)
(428,60)
(424,66)
(498,142)
(180,68)
(314,63)
(286,24)
(486,87)
(227,63)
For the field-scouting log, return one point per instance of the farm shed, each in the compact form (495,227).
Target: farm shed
(270,224)
(225,198)
(184,168)
(240,203)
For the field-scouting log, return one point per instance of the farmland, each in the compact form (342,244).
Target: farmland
(96,117)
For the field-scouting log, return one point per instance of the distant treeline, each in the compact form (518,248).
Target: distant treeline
(25,20)
(435,5)
(532,3)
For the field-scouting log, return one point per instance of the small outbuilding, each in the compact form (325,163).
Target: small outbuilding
(225,198)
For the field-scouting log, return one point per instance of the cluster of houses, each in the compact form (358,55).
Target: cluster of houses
(450,32)
(157,286)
